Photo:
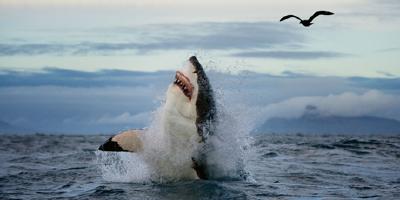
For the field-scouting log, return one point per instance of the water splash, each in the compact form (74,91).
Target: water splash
(231,148)
(123,167)
(227,158)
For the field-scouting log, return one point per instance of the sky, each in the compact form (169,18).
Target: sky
(94,65)
(361,39)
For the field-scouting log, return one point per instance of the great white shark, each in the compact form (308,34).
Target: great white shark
(189,120)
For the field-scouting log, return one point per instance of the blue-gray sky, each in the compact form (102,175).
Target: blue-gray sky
(361,39)
(100,66)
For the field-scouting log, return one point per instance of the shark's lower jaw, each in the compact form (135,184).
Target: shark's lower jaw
(184,84)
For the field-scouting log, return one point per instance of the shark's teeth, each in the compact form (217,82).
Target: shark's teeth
(184,84)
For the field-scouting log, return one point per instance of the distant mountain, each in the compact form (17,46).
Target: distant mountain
(4,125)
(6,128)
(317,124)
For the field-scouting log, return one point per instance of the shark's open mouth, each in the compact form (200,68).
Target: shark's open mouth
(184,84)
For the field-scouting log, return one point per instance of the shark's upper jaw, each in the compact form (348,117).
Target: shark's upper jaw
(184,84)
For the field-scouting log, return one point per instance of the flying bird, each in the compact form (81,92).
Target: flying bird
(307,22)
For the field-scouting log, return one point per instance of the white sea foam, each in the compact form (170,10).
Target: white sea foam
(123,167)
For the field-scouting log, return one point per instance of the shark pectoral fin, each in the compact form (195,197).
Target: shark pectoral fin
(126,141)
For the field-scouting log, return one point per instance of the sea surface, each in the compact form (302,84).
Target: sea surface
(282,167)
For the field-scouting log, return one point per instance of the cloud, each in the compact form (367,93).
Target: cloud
(390,6)
(75,78)
(376,83)
(347,104)
(106,101)
(210,36)
(386,50)
(299,55)
(31,49)
(78,109)
(386,74)
(142,119)
(233,35)
(382,10)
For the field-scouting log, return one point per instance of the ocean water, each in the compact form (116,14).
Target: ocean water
(281,167)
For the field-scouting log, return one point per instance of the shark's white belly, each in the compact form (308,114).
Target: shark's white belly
(181,140)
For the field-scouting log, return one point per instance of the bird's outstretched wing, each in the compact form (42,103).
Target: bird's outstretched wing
(321,12)
(289,16)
